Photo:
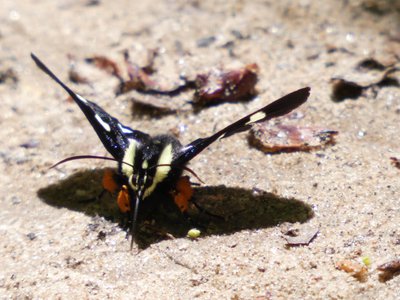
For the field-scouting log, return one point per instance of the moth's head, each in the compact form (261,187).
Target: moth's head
(139,178)
(145,166)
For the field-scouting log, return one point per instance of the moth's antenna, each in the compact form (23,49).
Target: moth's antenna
(180,167)
(87,157)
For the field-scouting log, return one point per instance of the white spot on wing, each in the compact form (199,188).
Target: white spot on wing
(256,117)
(81,98)
(124,129)
(102,123)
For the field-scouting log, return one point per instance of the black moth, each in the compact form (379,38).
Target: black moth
(150,166)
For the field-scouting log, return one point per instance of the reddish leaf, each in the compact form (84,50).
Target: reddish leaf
(395,162)
(389,270)
(219,86)
(106,65)
(272,138)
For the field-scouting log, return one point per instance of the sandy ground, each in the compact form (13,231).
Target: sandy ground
(52,246)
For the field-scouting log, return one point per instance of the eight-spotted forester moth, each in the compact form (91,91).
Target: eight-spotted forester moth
(150,167)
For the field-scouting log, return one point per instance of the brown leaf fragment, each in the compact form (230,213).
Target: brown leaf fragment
(301,237)
(273,138)
(220,86)
(389,270)
(380,75)
(391,266)
(395,162)
(140,80)
(105,64)
(357,269)
(138,77)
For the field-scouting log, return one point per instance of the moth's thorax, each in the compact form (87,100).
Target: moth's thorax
(148,162)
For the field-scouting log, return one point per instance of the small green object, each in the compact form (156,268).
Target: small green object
(366,261)
(193,233)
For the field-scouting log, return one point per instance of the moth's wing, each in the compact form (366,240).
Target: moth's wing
(115,136)
(277,108)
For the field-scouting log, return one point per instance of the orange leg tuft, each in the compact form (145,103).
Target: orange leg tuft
(108,182)
(183,193)
(123,199)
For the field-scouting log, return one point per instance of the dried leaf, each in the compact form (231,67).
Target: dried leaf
(138,77)
(380,75)
(105,64)
(272,138)
(391,266)
(357,269)
(140,80)
(389,270)
(395,162)
(226,86)
(300,237)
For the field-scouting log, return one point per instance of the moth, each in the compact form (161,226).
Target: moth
(150,168)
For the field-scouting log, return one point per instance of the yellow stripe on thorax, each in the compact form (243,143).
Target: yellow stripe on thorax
(129,159)
(161,171)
